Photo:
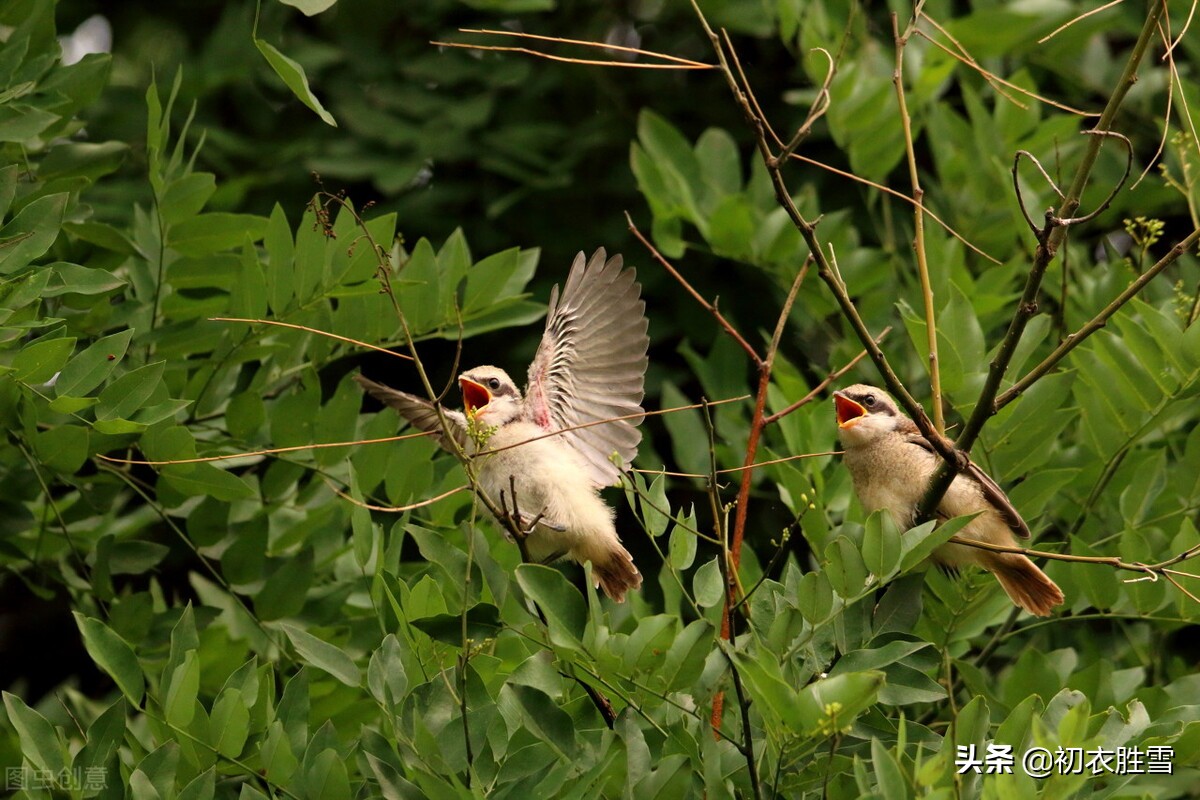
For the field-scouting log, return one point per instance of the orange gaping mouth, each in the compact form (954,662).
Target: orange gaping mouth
(847,410)
(475,395)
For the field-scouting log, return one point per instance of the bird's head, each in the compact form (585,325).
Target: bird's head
(490,395)
(864,414)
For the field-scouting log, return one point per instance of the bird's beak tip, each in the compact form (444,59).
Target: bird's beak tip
(848,411)
(475,395)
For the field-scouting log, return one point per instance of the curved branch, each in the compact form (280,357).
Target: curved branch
(1113,194)
(1017,187)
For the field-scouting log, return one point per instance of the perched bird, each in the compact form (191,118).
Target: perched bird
(590,366)
(891,463)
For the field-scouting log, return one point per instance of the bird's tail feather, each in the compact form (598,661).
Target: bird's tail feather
(616,574)
(1026,585)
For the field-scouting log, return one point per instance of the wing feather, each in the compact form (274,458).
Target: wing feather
(419,412)
(990,489)
(591,364)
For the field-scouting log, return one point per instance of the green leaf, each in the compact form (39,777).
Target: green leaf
(286,589)
(249,296)
(207,480)
(720,162)
(71,405)
(277,757)
(487,279)
(324,656)
(180,703)
(386,676)
(815,597)
(63,449)
(117,427)
(731,228)
(92,367)
(202,787)
(104,736)
(214,232)
(68,278)
(483,622)
(682,548)
(121,398)
(230,723)
(881,545)
(102,235)
(30,233)
(135,557)
(40,742)
(906,685)
(309,8)
(860,660)
(19,122)
(656,509)
(544,718)
(678,165)
(37,362)
(281,254)
(684,661)
(707,585)
(888,773)
(845,568)
(326,778)
(113,655)
(293,76)
(185,197)
(919,542)
(566,614)
(8,187)
(832,704)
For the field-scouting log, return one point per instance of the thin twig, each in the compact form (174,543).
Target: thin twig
(589,62)
(1152,570)
(1078,18)
(269,452)
(709,307)
(967,59)
(825,384)
(593,423)
(586,43)
(755,465)
(399,509)
(307,329)
(899,196)
(918,194)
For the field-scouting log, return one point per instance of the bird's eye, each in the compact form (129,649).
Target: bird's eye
(493,384)
(869,400)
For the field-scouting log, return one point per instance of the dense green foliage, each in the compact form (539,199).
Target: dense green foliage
(248,628)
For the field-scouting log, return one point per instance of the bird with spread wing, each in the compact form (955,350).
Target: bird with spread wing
(590,368)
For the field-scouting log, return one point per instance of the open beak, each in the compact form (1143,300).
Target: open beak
(847,410)
(475,395)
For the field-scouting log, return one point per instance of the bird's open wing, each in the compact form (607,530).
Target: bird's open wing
(591,364)
(419,412)
(991,490)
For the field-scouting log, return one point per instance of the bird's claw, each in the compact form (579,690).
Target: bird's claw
(528,521)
